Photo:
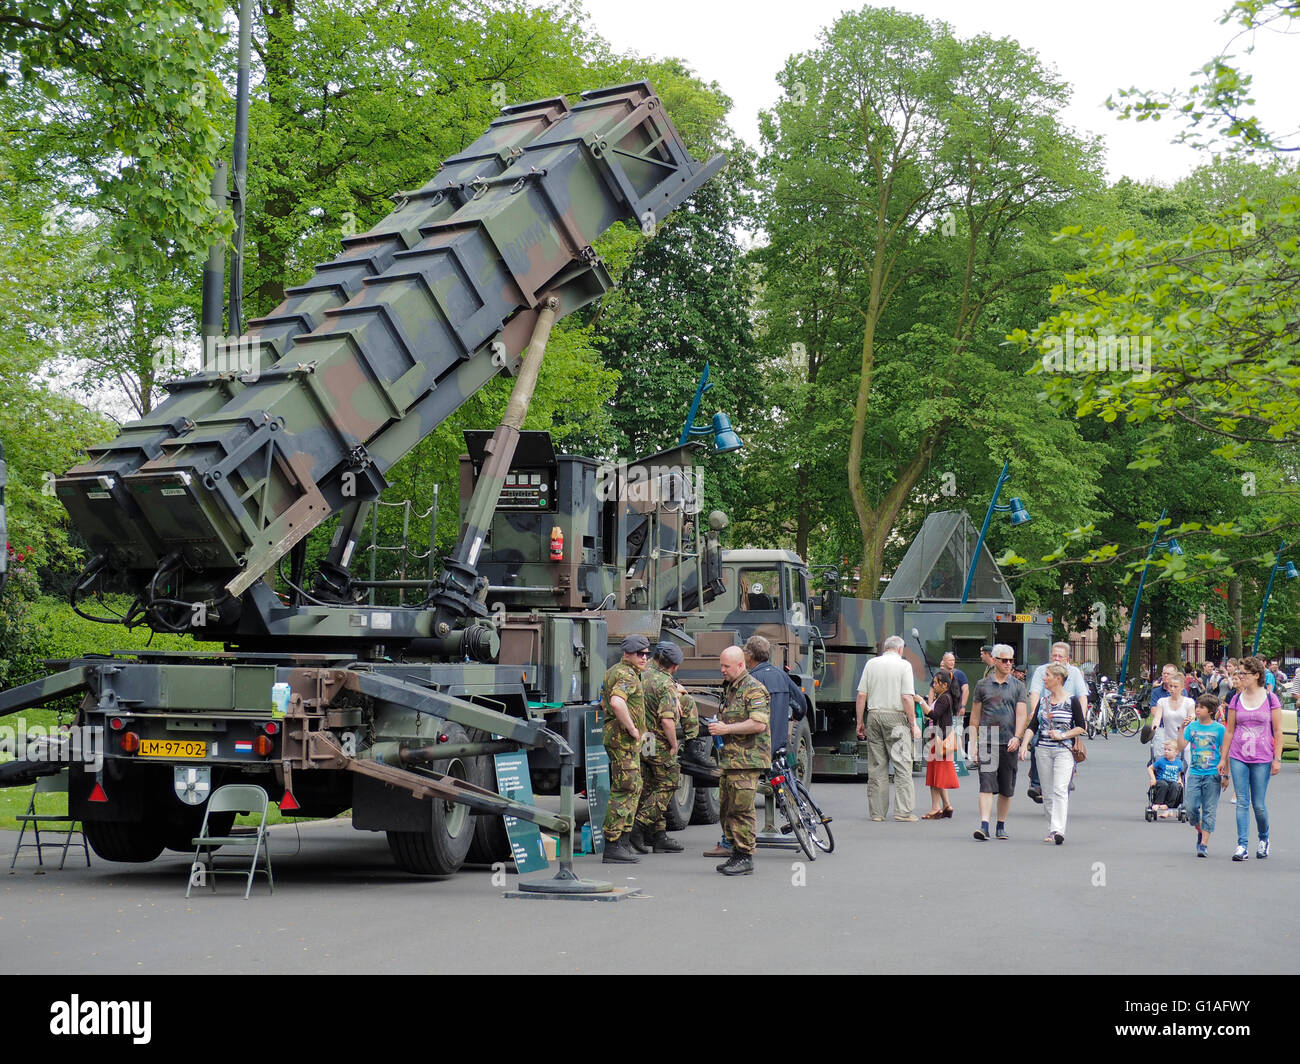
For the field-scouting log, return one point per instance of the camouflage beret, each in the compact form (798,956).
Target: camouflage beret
(635,643)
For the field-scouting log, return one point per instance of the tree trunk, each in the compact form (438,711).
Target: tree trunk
(1106,663)
(880,522)
(1234,609)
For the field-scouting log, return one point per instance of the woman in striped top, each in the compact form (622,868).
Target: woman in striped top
(1058,720)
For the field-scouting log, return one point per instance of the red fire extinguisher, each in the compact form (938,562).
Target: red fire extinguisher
(557,544)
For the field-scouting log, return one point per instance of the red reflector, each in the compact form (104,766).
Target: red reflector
(777,780)
(270,727)
(97,794)
(117,724)
(262,745)
(287,802)
(130,742)
(442,738)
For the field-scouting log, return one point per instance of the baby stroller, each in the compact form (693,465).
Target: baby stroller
(1168,794)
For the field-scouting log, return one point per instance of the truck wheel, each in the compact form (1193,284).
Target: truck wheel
(490,842)
(681,804)
(133,843)
(441,848)
(801,742)
(706,806)
(179,838)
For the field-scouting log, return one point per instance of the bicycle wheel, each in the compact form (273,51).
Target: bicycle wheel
(785,801)
(818,823)
(1129,722)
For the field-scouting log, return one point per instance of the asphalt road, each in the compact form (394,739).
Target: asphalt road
(1121,896)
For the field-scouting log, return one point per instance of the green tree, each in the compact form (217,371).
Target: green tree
(119,99)
(913,181)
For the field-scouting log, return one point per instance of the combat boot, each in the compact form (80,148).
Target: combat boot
(618,852)
(741,864)
(664,843)
(636,839)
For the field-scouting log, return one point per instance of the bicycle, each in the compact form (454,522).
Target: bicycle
(1099,712)
(803,816)
(1127,718)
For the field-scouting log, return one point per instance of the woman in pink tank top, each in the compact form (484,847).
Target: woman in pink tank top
(1252,749)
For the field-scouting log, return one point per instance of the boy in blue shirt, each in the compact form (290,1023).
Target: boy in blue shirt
(1205,736)
(1165,777)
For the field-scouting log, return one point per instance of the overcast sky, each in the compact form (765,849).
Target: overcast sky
(1098,48)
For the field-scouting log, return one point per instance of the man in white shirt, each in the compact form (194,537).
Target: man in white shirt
(888,687)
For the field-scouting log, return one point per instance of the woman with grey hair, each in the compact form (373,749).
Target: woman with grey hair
(1056,723)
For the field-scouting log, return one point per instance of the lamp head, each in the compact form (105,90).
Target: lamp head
(1019,515)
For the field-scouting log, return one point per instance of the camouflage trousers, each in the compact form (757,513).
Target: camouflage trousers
(658,782)
(624,792)
(736,793)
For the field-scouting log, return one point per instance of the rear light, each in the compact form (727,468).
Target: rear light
(271,727)
(117,724)
(262,745)
(130,742)
(777,781)
(443,737)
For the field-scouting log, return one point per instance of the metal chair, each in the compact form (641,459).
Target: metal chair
(53,784)
(232,798)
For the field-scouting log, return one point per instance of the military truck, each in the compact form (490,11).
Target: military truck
(197,508)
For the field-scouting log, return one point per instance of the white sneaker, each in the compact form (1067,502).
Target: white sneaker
(1240,854)
(1262,852)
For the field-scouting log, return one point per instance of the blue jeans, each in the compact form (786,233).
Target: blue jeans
(1251,784)
(1201,801)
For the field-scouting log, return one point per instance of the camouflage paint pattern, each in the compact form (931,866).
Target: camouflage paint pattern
(235,488)
(659,771)
(745,699)
(737,791)
(624,752)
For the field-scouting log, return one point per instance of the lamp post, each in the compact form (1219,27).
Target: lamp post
(724,436)
(1289,572)
(1174,548)
(1019,516)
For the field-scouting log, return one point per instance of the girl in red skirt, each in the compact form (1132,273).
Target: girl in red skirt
(940,768)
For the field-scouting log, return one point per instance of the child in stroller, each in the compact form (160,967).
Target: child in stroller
(1166,780)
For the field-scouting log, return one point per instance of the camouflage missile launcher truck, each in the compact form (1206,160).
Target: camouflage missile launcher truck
(202,510)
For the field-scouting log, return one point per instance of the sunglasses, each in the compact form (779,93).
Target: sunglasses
(640,653)
(1007,660)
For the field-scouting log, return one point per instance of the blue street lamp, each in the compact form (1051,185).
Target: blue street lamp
(724,436)
(1174,548)
(1019,516)
(1290,572)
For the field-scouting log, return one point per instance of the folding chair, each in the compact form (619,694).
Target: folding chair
(53,784)
(232,798)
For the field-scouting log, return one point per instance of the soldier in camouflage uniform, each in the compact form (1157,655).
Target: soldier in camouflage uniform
(659,770)
(746,754)
(622,705)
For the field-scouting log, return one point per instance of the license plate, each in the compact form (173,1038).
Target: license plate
(182,748)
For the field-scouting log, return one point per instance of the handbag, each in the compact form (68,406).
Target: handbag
(1078,751)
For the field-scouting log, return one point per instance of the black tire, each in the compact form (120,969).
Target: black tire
(1129,722)
(818,823)
(490,843)
(789,808)
(441,849)
(133,843)
(707,810)
(801,742)
(180,837)
(682,804)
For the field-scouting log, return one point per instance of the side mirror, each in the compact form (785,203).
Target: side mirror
(830,603)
